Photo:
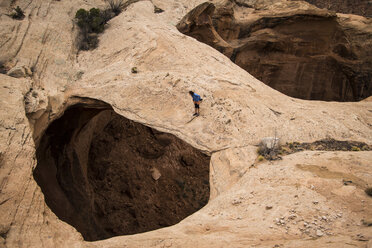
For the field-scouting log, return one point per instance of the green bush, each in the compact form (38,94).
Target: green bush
(90,23)
(355,149)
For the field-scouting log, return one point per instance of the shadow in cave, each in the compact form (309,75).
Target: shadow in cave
(107,175)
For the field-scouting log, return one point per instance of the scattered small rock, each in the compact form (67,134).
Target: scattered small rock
(236,202)
(292,217)
(319,233)
(361,237)
(269,207)
(155,173)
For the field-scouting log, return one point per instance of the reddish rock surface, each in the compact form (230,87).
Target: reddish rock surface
(361,7)
(305,53)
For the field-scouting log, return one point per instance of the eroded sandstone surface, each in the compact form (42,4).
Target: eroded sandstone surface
(301,51)
(299,201)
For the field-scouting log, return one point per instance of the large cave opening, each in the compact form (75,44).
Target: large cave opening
(107,175)
(306,55)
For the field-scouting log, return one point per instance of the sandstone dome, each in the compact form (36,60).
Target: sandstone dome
(60,105)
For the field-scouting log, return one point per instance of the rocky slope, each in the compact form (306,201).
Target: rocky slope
(302,51)
(299,201)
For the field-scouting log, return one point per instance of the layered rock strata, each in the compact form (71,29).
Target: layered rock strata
(297,49)
(252,204)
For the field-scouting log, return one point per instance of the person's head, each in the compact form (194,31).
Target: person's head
(191,93)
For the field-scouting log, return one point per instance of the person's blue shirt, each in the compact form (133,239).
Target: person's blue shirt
(196,97)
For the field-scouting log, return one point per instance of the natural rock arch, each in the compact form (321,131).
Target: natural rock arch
(107,175)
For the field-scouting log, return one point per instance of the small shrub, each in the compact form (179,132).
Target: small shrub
(116,6)
(260,158)
(269,148)
(107,15)
(18,14)
(134,70)
(369,191)
(355,149)
(365,148)
(90,23)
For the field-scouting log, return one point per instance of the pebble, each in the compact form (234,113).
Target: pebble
(292,216)
(236,202)
(319,233)
(269,207)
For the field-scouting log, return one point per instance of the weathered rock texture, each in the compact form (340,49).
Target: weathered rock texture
(250,204)
(361,7)
(108,176)
(302,51)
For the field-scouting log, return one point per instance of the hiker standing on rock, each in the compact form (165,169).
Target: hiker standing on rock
(196,99)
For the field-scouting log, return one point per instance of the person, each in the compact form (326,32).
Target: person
(196,99)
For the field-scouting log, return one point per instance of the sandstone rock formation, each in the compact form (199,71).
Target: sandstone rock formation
(298,201)
(302,51)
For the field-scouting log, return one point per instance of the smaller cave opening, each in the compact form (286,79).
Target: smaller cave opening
(107,176)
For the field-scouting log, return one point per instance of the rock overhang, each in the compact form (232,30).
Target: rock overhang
(107,175)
